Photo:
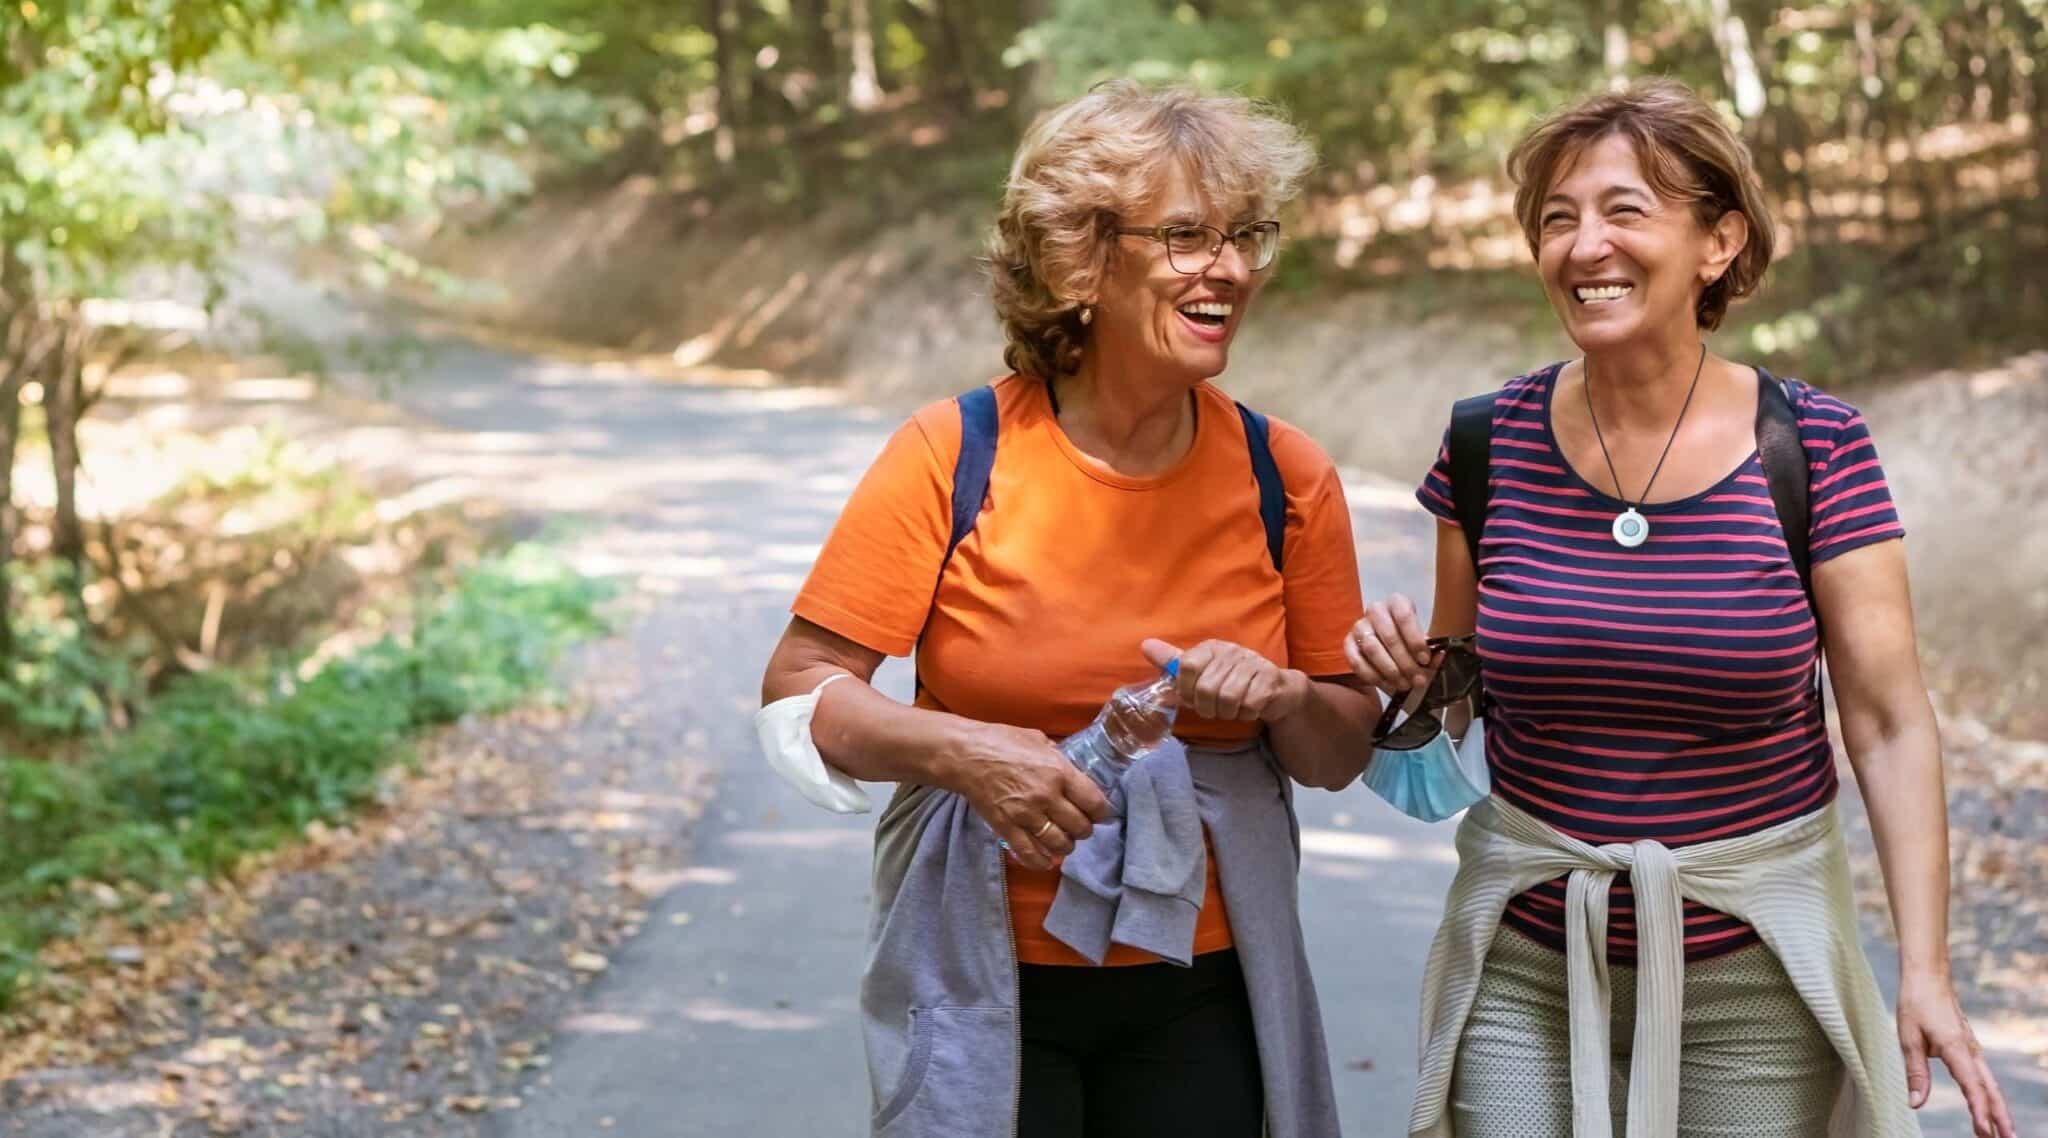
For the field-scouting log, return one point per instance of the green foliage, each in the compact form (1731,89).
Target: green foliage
(61,679)
(136,123)
(1853,314)
(138,134)
(225,763)
(1399,89)
(87,138)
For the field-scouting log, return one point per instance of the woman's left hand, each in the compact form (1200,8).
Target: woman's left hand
(1931,1023)
(1221,680)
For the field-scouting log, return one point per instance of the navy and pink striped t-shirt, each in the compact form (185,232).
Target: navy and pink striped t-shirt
(1667,691)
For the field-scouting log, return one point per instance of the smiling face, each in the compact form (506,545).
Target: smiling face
(1151,315)
(1620,262)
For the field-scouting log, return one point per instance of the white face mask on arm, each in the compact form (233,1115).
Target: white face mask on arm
(784,728)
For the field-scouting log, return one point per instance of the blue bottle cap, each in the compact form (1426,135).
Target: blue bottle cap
(1173,668)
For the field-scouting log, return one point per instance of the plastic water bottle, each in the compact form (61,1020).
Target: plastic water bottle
(1135,721)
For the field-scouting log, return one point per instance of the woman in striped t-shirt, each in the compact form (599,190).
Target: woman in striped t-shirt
(1649,662)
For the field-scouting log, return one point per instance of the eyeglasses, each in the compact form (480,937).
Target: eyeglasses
(1456,681)
(1191,249)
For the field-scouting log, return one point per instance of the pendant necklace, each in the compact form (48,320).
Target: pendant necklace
(1631,528)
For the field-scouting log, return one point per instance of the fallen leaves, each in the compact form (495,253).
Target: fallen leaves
(403,967)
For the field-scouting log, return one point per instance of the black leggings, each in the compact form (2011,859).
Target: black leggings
(1139,1051)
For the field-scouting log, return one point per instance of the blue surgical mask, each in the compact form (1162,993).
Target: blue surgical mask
(1433,781)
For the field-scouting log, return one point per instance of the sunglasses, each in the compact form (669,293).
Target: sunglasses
(1455,682)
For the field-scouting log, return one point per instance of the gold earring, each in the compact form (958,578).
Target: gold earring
(1087,315)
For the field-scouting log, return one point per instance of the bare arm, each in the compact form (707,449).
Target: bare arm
(1889,727)
(1327,740)
(1320,726)
(857,729)
(1388,648)
(1013,777)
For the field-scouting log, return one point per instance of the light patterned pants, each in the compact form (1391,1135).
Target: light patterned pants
(1753,1062)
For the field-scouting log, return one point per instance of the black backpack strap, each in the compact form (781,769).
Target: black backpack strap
(1786,469)
(1790,477)
(1272,491)
(1471,465)
(971,469)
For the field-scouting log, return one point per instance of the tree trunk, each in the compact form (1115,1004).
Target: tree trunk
(1035,86)
(718,17)
(1933,104)
(2032,32)
(960,55)
(1738,62)
(863,80)
(815,20)
(1979,27)
(24,51)
(1614,53)
(10,431)
(20,355)
(63,390)
(2039,112)
(1992,47)
(1863,122)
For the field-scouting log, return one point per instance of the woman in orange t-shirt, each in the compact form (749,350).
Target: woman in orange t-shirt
(1121,528)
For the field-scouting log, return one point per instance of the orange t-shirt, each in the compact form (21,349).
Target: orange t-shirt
(1038,615)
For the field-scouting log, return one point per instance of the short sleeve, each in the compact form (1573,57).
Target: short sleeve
(1319,562)
(874,578)
(1435,491)
(1849,503)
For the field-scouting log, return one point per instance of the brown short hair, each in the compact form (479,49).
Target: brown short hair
(1688,154)
(1092,160)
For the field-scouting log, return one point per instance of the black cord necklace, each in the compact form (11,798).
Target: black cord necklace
(1631,528)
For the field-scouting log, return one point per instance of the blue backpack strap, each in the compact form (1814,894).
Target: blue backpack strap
(971,469)
(1272,491)
(978,457)
(970,476)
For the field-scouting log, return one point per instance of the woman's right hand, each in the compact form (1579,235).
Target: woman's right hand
(1027,791)
(1388,647)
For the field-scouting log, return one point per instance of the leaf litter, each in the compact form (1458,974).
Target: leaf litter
(395,976)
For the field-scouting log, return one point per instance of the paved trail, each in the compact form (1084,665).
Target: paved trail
(733,1013)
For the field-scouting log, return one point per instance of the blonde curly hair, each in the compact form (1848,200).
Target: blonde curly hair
(1088,163)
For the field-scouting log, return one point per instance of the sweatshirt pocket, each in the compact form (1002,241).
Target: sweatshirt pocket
(960,1073)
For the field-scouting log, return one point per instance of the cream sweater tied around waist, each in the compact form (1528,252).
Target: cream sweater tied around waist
(1791,882)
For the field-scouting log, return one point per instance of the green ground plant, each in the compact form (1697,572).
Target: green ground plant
(238,760)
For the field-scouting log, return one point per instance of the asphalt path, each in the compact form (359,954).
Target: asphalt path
(734,1012)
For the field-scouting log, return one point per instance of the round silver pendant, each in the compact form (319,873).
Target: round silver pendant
(1631,529)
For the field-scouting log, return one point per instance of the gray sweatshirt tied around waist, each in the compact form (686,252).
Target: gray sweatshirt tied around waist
(1139,879)
(939,994)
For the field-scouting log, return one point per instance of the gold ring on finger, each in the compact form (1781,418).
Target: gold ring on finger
(1045,829)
